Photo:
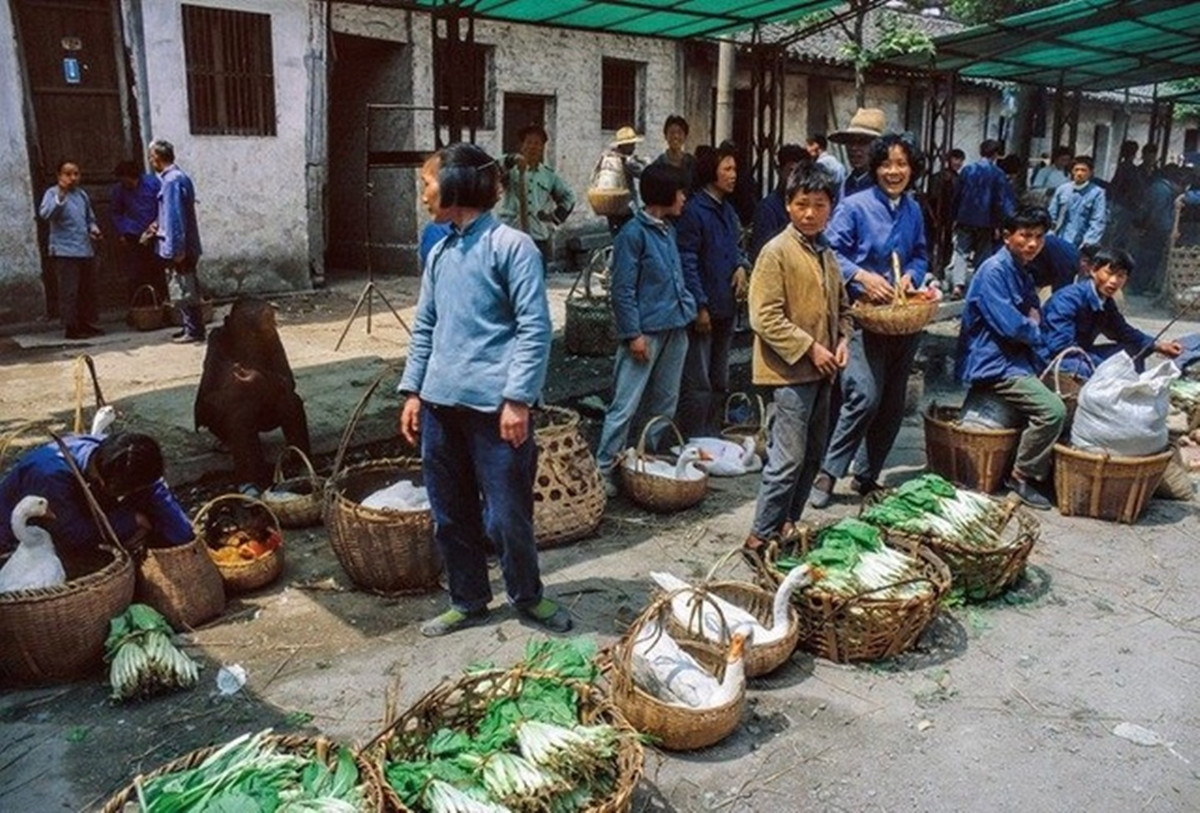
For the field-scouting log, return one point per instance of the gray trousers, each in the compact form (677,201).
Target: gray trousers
(796,437)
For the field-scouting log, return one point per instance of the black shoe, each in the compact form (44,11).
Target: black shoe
(1028,493)
(177,334)
(822,491)
(865,487)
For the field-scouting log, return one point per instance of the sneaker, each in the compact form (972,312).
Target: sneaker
(822,491)
(452,621)
(549,614)
(1028,493)
(186,339)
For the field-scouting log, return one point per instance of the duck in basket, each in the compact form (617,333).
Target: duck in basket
(662,668)
(34,564)
(725,458)
(685,468)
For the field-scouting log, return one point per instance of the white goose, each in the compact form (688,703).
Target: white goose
(685,468)
(706,620)
(721,457)
(34,563)
(665,670)
(103,419)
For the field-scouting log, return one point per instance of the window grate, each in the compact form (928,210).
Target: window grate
(619,94)
(470,83)
(230,76)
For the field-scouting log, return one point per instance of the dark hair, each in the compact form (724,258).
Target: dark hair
(532,129)
(1118,258)
(810,178)
(792,154)
(676,120)
(659,184)
(468,177)
(58,170)
(990,148)
(708,161)
(881,146)
(1011,164)
(820,140)
(1027,217)
(1086,160)
(956,153)
(1060,151)
(1088,251)
(128,462)
(127,169)
(1129,150)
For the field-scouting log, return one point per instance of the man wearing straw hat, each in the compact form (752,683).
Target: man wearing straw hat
(622,146)
(865,126)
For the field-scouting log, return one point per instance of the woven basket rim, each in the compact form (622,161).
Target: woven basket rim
(1095,457)
(932,416)
(902,317)
(88,581)
(334,485)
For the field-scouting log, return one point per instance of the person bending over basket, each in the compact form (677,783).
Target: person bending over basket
(865,232)
(801,319)
(124,473)
(477,363)
(999,342)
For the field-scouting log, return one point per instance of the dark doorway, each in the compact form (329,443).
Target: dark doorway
(521,110)
(82,111)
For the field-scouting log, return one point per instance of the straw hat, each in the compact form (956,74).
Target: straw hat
(627,135)
(867,123)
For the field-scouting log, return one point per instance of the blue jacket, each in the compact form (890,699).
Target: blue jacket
(1055,265)
(430,235)
(178,231)
(856,181)
(647,289)
(482,331)
(770,218)
(71,222)
(1079,215)
(984,196)
(135,209)
(44,472)
(1077,315)
(865,230)
(708,233)
(997,340)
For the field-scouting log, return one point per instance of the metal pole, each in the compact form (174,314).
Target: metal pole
(726,54)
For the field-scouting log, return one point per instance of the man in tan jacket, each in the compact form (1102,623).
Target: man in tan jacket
(801,319)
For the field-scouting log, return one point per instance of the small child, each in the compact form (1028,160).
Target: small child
(800,314)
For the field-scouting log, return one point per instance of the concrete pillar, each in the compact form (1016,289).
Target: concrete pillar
(726,54)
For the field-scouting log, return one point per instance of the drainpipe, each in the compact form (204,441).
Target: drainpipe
(725,66)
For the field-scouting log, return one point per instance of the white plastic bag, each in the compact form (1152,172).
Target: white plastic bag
(1123,412)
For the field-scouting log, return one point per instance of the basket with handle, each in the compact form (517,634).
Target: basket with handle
(757,428)
(902,316)
(662,494)
(590,329)
(1066,385)
(568,492)
(1104,486)
(1183,271)
(295,501)
(217,516)
(387,552)
(970,456)
(145,311)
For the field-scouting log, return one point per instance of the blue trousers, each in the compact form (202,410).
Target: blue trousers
(796,438)
(874,384)
(463,457)
(705,384)
(649,388)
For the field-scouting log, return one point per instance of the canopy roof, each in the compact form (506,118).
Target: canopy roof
(677,19)
(1080,44)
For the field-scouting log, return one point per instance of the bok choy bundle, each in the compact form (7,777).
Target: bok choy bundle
(142,659)
(851,559)
(931,505)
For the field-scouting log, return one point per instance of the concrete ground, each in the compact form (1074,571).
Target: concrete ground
(1076,691)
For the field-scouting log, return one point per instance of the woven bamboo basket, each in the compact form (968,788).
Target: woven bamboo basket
(323,749)
(865,627)
(1183,272)
(609,202)
(1067,385)
(461,704)
(295,501)
(590,328)
(568,492)
(181,582)
(895,318)
(673,727)
(662,494)
(57,633)
(388,552)
(969,456)
(1105,486)
(214,519)
(145,313)
(980,573)
(757,429)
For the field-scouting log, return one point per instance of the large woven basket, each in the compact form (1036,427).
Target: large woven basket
(461,704)
(145,311)
(894,318)
(590,328)
(980,573)
(863,627)
(251,574)
(609,202)
(1183,272)
(1066,385)
(181,582)
(1105,486)
(296,501)
(57,633)
(568,492)
(755,428)
(662,494)
(323,749)
(972,457)
(672,727)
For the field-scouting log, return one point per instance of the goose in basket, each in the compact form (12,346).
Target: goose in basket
(34,564)
(664,669)
(721,457)
(707,619)
(686,468)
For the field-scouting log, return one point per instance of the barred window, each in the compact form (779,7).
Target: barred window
(619,94)
(230,75)
(471,83)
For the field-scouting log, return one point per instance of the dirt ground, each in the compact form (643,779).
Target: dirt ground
(1016,704)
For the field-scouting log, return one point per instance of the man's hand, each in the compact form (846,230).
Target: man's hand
(741,284)
(514,423)
(1035,316)
(906,283)
(638,350)
(841,356)
(823,360)
(410,420)
(1168,349)
(876,287)
(703,323)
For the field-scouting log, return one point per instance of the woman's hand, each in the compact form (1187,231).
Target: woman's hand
(514,423)
(876,287)
(410,420)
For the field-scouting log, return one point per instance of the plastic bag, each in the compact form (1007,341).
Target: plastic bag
(989,411)
(1123,412)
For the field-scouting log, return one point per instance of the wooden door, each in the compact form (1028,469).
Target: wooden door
(74,63)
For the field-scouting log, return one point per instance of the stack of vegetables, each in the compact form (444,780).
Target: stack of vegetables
(260,773)
(143,660)
(1185,394)
(930,505)
(851,559)
(524,747)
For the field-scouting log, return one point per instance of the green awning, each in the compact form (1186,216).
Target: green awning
(1081,44)
(676,19)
